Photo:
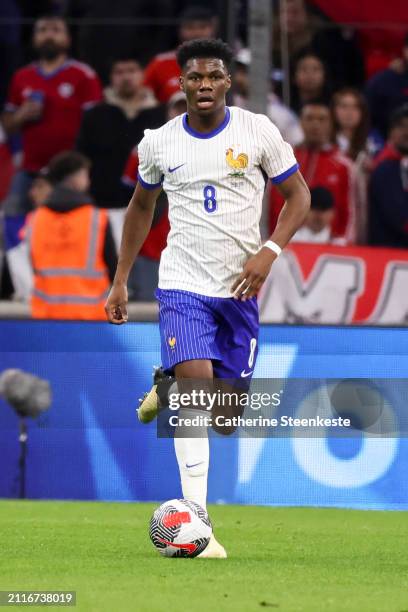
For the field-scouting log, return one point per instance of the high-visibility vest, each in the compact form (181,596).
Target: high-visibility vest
(70,275)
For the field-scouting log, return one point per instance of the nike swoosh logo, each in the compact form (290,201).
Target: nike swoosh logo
(191,548)
(194,464)
(176,168)
(245,374)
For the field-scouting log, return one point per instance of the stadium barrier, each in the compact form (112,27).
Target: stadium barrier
(137,311)
(314,284)
(89,445)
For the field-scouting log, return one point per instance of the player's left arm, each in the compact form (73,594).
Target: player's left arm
(293,213)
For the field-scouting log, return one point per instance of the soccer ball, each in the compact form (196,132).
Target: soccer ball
(180,528)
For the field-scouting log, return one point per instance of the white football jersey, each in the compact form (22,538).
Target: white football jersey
(214,184)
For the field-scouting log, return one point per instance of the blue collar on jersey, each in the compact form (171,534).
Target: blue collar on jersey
(217,130)
(49,75)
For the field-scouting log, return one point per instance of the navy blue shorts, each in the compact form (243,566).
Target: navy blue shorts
(224,330)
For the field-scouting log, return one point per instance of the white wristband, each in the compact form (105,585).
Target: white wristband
(270,244)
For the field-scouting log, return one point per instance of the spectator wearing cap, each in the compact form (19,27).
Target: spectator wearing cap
(45,104)
(317,226)
(71,246)
(387,91)
(322,164)
(388,190)
(163,72)
(111,129)
(286,120)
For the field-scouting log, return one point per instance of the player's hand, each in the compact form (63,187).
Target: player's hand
(253,275)
(30,110)
(115,306)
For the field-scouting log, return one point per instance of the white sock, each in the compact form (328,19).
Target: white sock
(193,456)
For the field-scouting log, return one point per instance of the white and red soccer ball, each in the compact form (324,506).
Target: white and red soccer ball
(180,528)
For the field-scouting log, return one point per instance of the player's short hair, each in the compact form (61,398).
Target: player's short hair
(398,116)
(207,48)
(65,164)
(321,199)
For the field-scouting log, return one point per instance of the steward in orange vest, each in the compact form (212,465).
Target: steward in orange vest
(69,241)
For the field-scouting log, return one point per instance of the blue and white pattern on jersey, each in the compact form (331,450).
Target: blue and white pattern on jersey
(215,185)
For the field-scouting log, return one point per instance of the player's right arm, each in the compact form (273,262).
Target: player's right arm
(138,221)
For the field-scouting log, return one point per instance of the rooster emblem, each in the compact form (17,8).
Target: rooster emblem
(238,163)
(172,342)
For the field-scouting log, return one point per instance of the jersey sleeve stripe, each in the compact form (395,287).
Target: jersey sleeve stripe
(284,175)
(148,185)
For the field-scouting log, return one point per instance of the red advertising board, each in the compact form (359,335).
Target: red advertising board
(337,285)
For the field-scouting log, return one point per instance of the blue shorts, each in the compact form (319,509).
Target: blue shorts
(224,330)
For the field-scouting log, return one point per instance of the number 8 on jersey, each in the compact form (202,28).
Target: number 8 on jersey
(210,202)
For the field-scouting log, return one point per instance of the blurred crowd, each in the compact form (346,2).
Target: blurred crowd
(76,99)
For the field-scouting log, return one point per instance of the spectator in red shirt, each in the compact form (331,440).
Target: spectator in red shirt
(323,165)
(162,73)
(45,103)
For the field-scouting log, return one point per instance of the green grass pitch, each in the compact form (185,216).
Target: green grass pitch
(284,559)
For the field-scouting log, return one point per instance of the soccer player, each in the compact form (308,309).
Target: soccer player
(210,162)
